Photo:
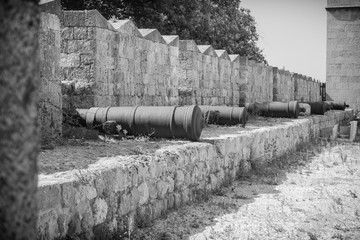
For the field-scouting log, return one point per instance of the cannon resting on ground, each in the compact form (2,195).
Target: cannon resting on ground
(223,115)
(164,122)
(275,109)
(337,106)
(320,108)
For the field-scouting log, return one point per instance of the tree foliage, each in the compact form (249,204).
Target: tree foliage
(224,24)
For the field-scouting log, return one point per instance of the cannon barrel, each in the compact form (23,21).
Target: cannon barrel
(157,121)
(337,106)
(319,108)
(275,109)
(222,115)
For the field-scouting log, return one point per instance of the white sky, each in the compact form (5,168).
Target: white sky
(292,34)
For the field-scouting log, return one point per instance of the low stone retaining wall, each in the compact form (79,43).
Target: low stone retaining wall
(119,193)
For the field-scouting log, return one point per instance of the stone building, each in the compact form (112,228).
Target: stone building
(343,51)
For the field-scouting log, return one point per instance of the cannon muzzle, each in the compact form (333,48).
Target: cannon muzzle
(337,106)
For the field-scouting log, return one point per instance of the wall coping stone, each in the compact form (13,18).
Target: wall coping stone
(234,57)
(207,50)
(152,35)
(334,4)
(50,6)
(126,26)
(188,45)
(222,54)
(171,40)
(86,18)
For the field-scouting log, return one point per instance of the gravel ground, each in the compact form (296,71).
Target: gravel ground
(311,194)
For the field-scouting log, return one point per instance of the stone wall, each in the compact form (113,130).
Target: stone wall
(50,103)
(343,52)
(117,193)
(115,63)
(258,80)
(112,64)
(283,85)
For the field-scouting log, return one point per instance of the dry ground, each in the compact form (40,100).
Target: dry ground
(311,194)
(80,152)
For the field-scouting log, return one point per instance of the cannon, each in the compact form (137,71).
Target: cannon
(223,115)
(319,108)
(275,109)
(337,106)
(156,121)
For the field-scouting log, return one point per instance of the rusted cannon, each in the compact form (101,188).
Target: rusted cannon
(337,106)
(275,109)
(222,115)
(165,122)
(319,108)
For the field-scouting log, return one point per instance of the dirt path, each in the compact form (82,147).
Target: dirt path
(312,194)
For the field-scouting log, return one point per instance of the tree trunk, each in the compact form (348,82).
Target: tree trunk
(19,130)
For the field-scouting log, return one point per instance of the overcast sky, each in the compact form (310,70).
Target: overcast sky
(292,34)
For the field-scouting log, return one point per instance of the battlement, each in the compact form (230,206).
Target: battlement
(114,63)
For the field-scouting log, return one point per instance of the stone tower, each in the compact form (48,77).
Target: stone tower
(343,51)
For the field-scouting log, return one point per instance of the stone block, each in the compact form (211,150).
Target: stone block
(143,190)
(124,205)
(353,130)
(335,132)
(179,179)
(67,33)
(162,189)
(84,193)
(73,18)
(49,197)
(67,194)
(79,33)
(48,221)
(99,210)
(63,222)
(74,225)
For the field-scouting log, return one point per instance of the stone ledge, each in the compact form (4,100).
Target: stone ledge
(331,4)
(120,191)
(86,18)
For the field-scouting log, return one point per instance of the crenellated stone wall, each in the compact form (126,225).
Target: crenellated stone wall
(114,63)
(258,81)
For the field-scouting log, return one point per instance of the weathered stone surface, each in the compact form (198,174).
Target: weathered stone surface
(343,61)
(125,204)
(50,103)
(130,65)
(144,193)
(100,210)
(49,197)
